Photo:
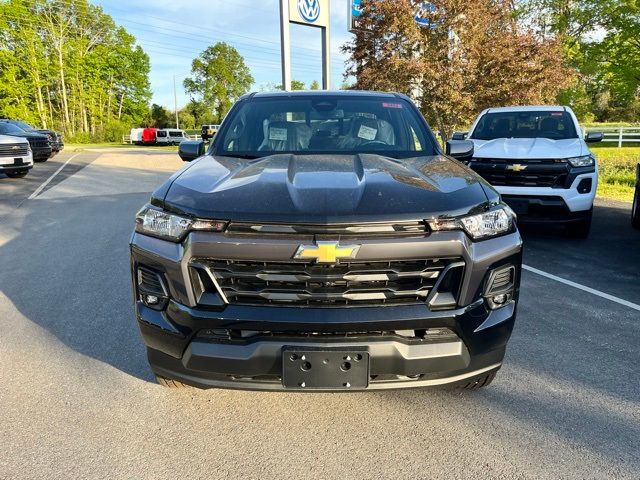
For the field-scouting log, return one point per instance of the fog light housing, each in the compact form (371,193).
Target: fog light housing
(499,287)
(152,291)
(584,186)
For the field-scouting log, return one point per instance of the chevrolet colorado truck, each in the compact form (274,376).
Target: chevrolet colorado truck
(325,242)
(16,158)
(538,159)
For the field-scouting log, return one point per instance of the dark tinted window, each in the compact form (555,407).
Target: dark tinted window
(8,128)
(324,124)
(545,124)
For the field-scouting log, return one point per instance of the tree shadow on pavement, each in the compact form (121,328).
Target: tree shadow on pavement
(65,267)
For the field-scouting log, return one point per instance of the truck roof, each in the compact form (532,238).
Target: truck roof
(527,108)
(342,93)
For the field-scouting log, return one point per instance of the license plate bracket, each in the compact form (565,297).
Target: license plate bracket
(325,368)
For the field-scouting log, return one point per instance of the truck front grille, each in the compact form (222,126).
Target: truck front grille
(344,284)
(14,149)
(40,143)
(535,172)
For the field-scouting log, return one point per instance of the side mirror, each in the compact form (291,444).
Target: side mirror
(460,149)
(191,149)
(459,136)
(593,137)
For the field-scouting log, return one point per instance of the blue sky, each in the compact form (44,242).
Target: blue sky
(173,33)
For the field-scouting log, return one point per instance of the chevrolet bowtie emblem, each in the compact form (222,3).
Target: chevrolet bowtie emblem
(15,147)
(326,252)
(516,167)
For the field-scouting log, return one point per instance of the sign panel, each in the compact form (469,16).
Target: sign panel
(309,12)
(422,15)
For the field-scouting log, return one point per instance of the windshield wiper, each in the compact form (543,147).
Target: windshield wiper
(246,156)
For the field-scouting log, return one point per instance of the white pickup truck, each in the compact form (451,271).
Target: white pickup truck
(16,158)
(538,159)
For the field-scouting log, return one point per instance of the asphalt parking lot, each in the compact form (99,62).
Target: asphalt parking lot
(79,401)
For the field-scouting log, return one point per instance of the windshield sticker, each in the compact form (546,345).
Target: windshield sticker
(367,133)
(391,105)
(278,134)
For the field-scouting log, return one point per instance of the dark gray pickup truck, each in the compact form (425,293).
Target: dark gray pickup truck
(325,242)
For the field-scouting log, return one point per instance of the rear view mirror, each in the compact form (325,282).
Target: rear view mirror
(460,149)
(593,137)
(459,136)
(191,149)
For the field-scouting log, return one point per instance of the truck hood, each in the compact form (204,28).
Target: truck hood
(524,148)
(9,139)
(324,189)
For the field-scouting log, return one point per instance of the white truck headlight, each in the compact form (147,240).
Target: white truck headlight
(480,226)
(161,224)
(584,161)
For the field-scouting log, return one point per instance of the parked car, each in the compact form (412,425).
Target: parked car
(149,136)
(170,136)
(136,135)
(342,250)
(55,138)
(538,159)
(39,143)
(209,131)
(16,158)
(635,209)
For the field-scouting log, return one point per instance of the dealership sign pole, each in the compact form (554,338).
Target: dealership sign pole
(313,13)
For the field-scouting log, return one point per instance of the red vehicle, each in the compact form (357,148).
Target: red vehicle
(149,136)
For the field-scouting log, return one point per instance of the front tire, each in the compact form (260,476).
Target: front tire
(480,382)
(174,384)
(635,209)
(581,228)
(17,174)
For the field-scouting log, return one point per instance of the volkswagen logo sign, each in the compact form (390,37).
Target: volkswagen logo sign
(309,10)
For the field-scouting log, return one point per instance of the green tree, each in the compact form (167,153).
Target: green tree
(160,117)
(314,85)
(71,68)
(219,78)
(186,119)
(473,56)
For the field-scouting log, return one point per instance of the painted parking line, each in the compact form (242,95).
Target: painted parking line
(48,180)
(584,288)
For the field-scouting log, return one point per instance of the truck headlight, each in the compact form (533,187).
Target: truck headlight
(584,161)
(480,226)
(161,224)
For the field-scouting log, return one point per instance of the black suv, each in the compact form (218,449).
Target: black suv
(39,143)
(55,138)
(325,242)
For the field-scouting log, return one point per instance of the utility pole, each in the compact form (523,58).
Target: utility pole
(285,45)
(175,101)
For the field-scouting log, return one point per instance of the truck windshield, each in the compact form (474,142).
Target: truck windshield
(555,125)
(10,129)
(322,124)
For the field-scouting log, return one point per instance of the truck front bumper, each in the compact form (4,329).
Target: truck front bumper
(406,345)
(468,342)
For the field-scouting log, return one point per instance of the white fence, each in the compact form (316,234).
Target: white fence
(619,135)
